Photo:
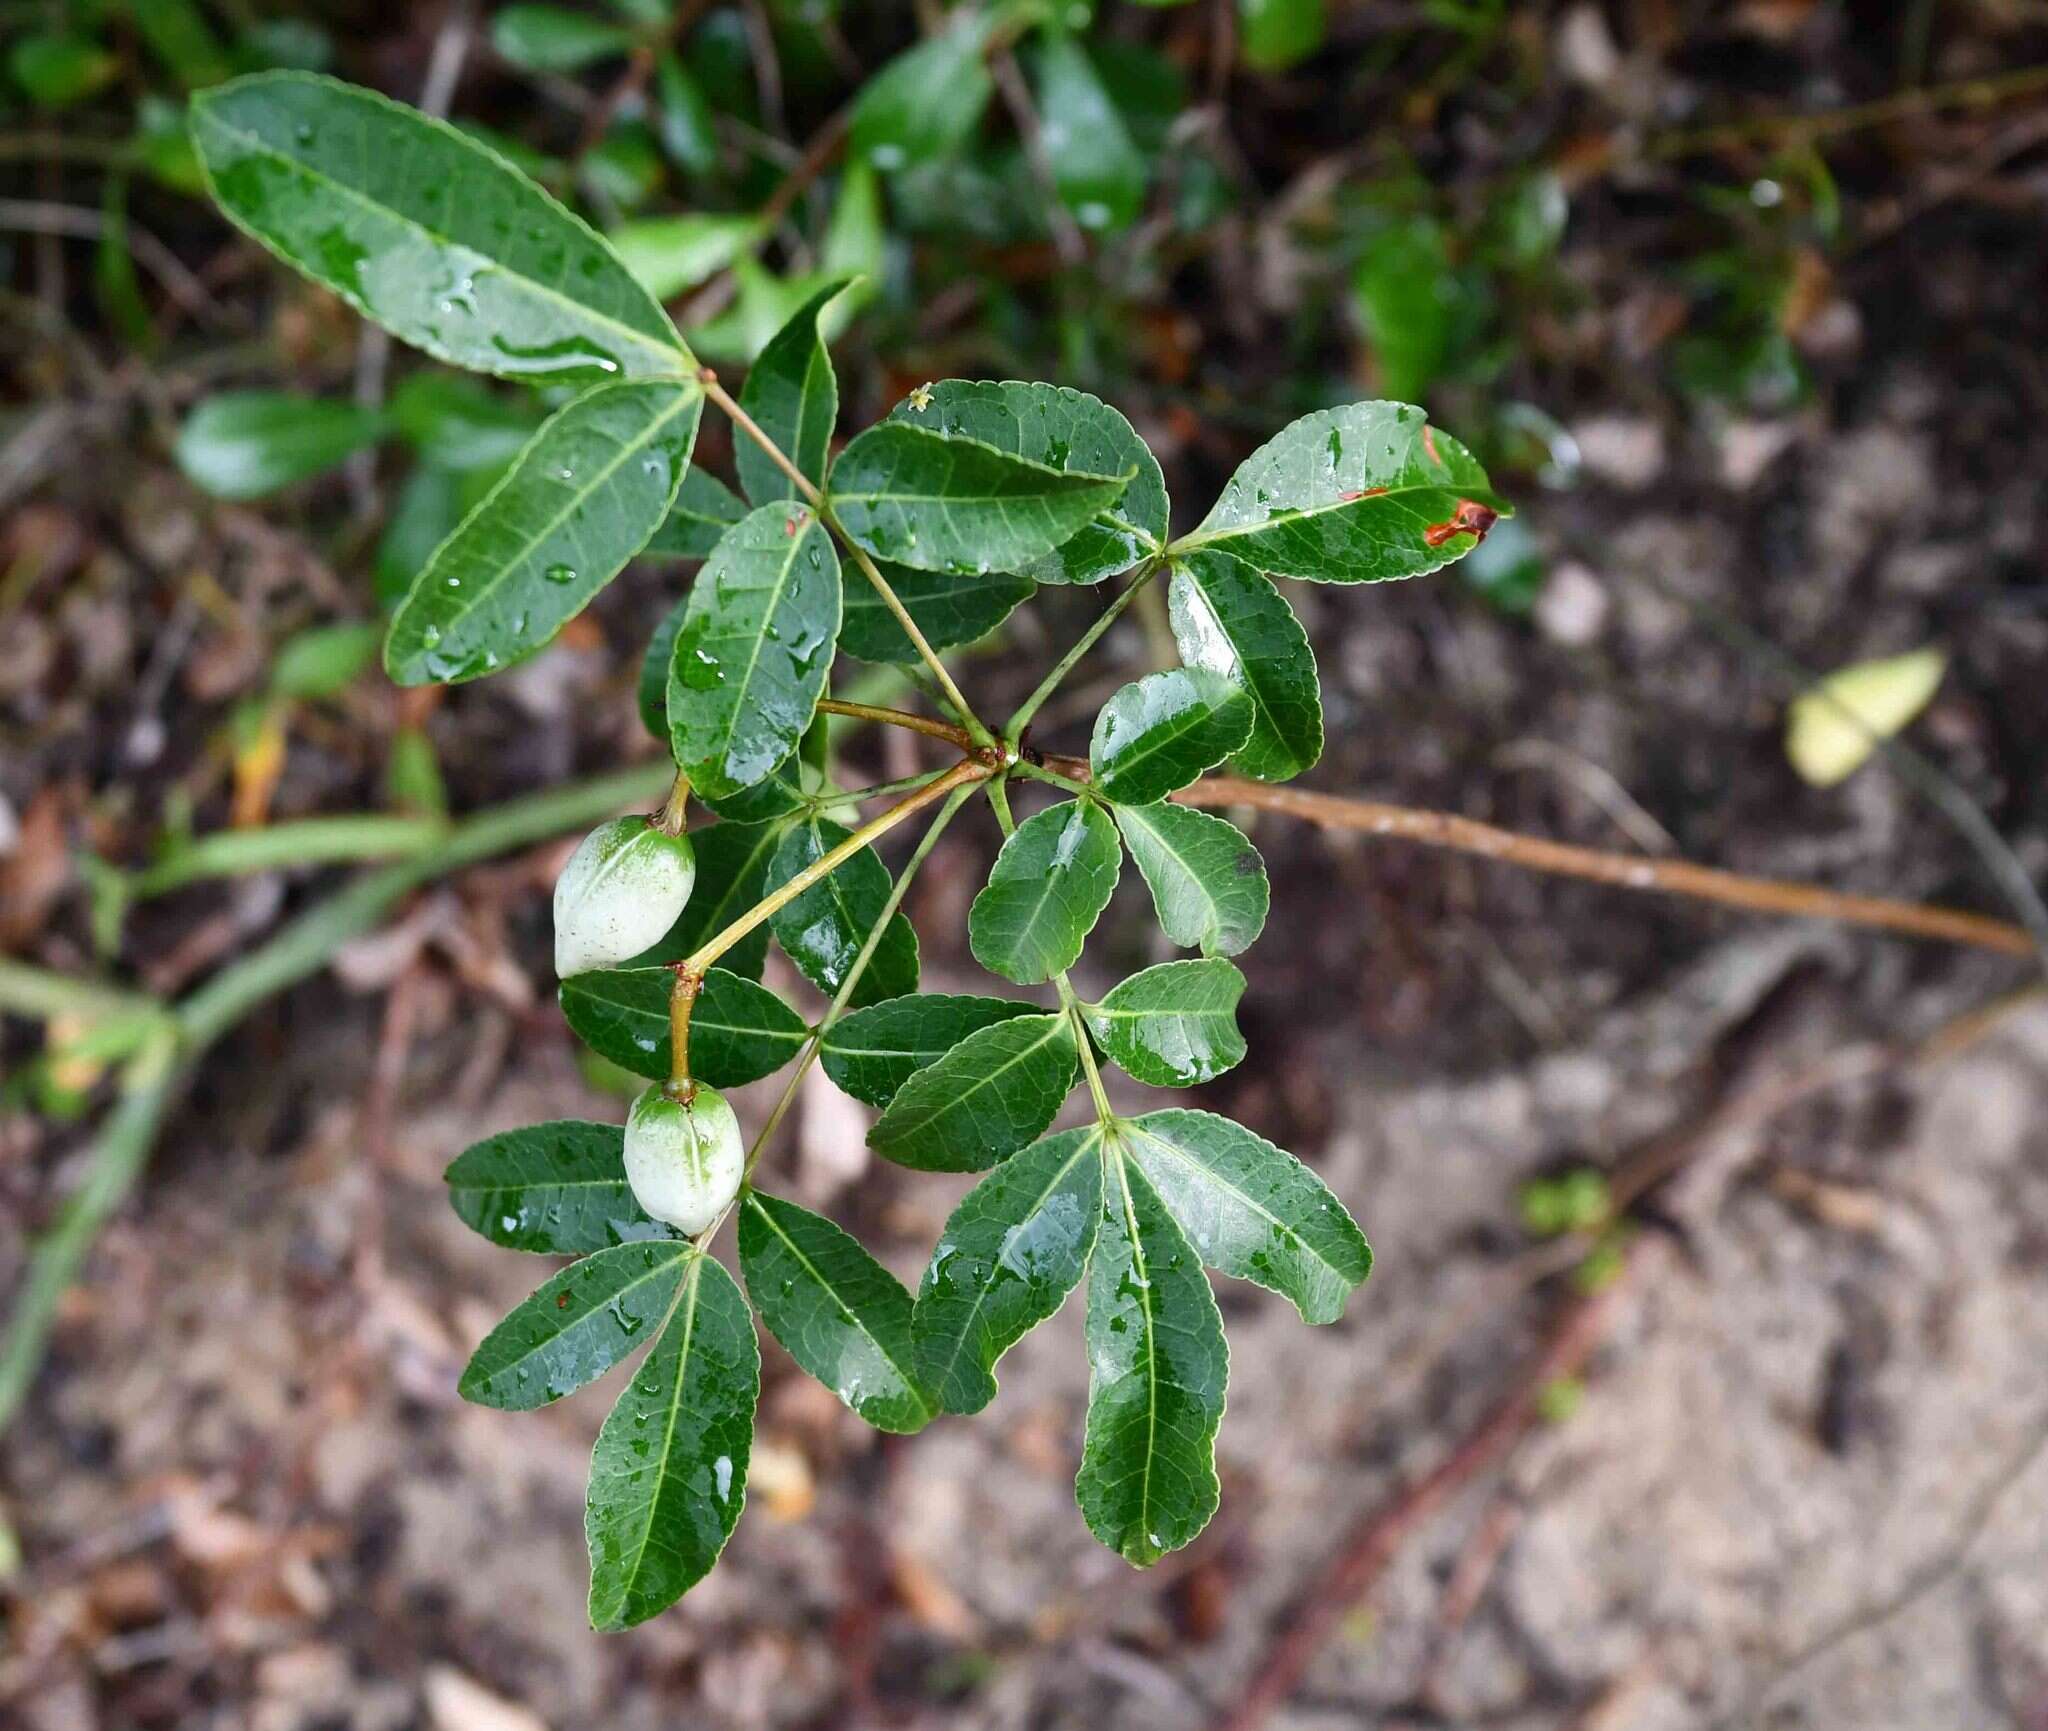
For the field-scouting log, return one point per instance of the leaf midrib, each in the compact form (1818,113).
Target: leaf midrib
(1144,1285)
(910,1382)
(759,636)
(686,1303)
(484,590)
(1051,878)
(1206,537)
(1055,1027)
(1168,731)
(205,115)
(568,1322)
(1292,1234)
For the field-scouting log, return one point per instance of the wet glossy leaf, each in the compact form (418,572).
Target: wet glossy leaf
(1160,732)
(911,494)
(1070,431)
(782,793)
(739,1031)
(704,509)
(554,39)
(427,232)
(1157,1370)
(1045,892)
(756,644)
(824,928)
(1174,1025)
(1229,619)
(669,1474)
(1251,1209)
(733,861)
(1351,495)
(948,610)
(986,1098)
(1010,1254)
(873,1052)
(1097,170)
(793,396)
(650,690)
(578,502)
(926,101)
(1208,883)
(577,1326)
(244,444)
(558,1188)
(837,1311)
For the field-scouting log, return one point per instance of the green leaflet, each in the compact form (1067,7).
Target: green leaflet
(739,1032)
(460,423)
(756,645)
(650,691)
(427,233)
(1048,887)
(669,1474)
(1276,34)
(781,793)
(948,610)
(1010,1254)
(577,1326)
(1252,1210)
(577,503)
(704,509)
(926,101)
(823,929)
(554,39)
(1408,295)
(733,860)
(1067,430)
(912,494)
(1157,1370)
(873,1052)
(557,1188)
(1174,1025)
(1229,618)
(839,1313)
(1208,883)
(1096,169)
(1159,733)
(793,396)
(244,444)
(987,1097)
(1352,495)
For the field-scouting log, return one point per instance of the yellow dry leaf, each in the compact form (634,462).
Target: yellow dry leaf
(1832,729)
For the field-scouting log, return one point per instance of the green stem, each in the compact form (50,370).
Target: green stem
(1014,730)
(308,841)
(890,599)
(966,771)
(44,996)
(122,1148)
(1051,777)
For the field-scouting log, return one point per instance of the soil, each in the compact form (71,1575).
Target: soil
(245,1494)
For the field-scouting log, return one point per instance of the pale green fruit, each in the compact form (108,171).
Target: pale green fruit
(684,1162)
(622,889)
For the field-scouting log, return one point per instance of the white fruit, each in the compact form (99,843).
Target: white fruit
(620,892)
(684,1161)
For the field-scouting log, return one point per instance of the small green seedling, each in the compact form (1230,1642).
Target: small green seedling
(922,534)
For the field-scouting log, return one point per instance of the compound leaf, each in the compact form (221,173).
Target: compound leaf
(1352,495)
(1208,883)
(793,396)
(669,1474)
(1070,431)
(956,505)
(579,501)
(1047,889)
(986,1098)
(427,232)
(557,1188)
(1229,619)
(755,647)
(1157,1370)
(873,1052)
(577,1326)
(1159,733)
(1251,1209)
(839,1313)
(739,1032)
(1174,1025)
(1010,1254)
(824,928)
